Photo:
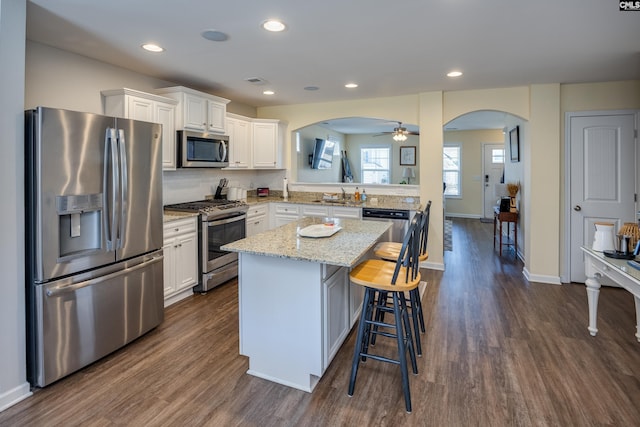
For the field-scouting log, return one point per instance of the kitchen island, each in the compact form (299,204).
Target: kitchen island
(296,304)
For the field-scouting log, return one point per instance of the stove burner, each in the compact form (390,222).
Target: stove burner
(206,206)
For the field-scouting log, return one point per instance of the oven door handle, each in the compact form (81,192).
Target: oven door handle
(240,217)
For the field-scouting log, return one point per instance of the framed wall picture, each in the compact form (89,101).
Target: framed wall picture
(514,144)
(408,156)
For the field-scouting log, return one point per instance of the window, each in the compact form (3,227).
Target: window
(451,170)
(497,155)
(374,164)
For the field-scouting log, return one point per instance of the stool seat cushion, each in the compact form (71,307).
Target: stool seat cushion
(389,251)
(377,273)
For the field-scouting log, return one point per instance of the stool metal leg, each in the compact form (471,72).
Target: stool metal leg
(362,326)
(401,351)
(416,291)
(415,312)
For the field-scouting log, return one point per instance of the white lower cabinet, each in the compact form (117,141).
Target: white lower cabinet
(336,310)
(257,219)
(315,210)
(330,211)
(346,212)
(284,213)
(180,250)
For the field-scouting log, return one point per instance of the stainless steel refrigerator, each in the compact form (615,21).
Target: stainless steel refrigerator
(94,237)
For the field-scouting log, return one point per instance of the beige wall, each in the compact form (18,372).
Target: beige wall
(602,96)
(536,108)
(356,142)
(471,141)
(60,79)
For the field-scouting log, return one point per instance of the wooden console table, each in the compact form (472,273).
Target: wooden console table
(597,265)
(509,218)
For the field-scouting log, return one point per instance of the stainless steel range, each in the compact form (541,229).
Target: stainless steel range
(221,222)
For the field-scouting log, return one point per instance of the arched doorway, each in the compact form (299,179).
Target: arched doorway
(479,141)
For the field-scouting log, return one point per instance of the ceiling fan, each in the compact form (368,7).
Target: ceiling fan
(399,133)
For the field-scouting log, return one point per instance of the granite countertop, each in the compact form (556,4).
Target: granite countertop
(172,215)
(344,248)
(383,202)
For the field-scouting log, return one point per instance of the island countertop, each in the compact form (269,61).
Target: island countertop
(344,248)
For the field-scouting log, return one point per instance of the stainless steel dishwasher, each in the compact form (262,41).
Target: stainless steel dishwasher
(398,217)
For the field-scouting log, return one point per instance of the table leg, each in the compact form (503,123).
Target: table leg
(637,300)
(500,238)
(593,291)
(495,218)
(515,238)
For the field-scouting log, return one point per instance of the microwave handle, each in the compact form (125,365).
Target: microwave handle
(223,146)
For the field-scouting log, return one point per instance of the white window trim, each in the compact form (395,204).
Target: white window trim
(459,196)
(376,146)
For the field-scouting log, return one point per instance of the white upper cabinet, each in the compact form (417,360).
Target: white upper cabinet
(136,105)
(268,143)
(197,111)
(239,131)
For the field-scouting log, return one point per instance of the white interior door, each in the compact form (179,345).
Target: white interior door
(602,162)
(493,167)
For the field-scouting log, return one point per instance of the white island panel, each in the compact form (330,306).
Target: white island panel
(281,319)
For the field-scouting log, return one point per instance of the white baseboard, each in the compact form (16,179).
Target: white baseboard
(541,278)
(17,394)
(433,265)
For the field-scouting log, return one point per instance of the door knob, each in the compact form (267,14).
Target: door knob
(577,208)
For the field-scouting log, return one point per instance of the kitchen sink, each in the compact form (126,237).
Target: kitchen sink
(338,202)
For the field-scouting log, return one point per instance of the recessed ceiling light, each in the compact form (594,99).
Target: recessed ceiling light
(311,88)
(268,92)
(214,35)
(454,74)
(150,47)
(351,85)
(273,25)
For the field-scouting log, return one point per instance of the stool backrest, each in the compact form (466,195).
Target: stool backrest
(408,256)
(424,229)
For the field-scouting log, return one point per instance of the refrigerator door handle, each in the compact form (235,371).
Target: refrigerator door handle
(64,289)
(110,219)
(124,188)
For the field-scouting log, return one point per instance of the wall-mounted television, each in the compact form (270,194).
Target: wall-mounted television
(322,156)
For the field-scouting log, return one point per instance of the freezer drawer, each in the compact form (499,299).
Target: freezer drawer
(79,321)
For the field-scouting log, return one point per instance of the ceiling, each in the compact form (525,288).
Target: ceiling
(387,48)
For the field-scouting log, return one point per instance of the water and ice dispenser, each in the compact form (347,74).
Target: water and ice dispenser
(80,224)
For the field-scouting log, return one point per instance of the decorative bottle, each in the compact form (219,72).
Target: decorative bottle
(363,196)
(356,196)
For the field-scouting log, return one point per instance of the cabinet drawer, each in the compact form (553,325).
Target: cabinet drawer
(315,211)
(180,226)
(257,210)
(347,212)
(285,209)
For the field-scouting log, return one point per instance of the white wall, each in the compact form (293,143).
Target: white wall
(13,373)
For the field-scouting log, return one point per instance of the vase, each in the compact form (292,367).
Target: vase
(603,240)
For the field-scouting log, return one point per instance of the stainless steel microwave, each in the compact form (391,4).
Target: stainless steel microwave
(202,150)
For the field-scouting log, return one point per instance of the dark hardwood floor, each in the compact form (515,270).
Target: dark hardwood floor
(498,351)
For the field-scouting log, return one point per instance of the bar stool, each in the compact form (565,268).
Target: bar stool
(389,251)
(381,278)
